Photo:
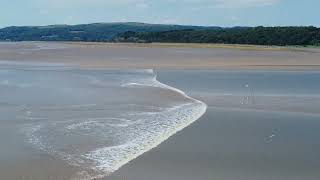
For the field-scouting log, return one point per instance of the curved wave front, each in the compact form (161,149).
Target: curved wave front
(98,120)
(110,159)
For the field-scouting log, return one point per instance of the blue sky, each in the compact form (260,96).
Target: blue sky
(195,12)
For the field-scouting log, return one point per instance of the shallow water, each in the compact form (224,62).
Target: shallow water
(272,133)
(95,121)
(287,91)
(259,125)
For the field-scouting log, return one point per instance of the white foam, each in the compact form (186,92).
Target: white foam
(32,138)
(149,128)
(110,159)
(154,83)
(98,122)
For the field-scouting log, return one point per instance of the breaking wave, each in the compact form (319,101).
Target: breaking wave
(100,130)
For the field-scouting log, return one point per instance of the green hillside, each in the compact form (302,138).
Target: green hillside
(84,32)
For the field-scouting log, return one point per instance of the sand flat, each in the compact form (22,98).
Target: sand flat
(162,56)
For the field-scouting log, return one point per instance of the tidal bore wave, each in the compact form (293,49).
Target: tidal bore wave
(95,120)
(165,124)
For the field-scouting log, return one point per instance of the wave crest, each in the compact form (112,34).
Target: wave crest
(125,135)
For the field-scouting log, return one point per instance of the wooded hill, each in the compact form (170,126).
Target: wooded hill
(145,33)
(280,36)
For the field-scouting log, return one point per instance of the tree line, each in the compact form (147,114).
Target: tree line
(97,32)
(144,33)
(280,36)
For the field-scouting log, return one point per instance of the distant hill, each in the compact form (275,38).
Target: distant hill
(280,36)
(84,32)
(144,33)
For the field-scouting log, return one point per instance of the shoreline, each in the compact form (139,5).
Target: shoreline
(256,47)
(161,56)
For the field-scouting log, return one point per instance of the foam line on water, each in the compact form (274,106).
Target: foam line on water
(150,130)
(110,159)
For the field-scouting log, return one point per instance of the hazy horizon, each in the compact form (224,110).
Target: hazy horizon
(154,23)
(223,13)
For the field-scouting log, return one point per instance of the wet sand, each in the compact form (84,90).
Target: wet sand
(163,56)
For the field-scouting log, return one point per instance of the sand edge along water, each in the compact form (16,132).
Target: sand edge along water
(163,56)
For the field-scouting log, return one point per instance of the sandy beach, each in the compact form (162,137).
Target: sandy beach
(162,56)
(261,121)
